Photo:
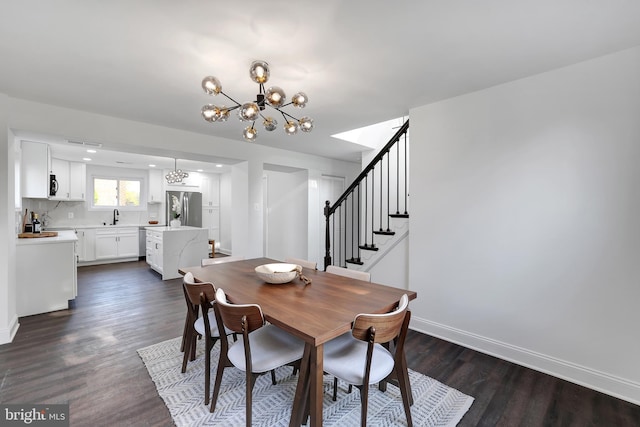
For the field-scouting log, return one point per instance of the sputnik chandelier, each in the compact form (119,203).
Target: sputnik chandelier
(273,97)
(176,175)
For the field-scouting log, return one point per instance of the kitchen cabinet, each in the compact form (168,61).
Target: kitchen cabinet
(34,170)
(46,274)
(210,188)
(171,248)
(86,245)
(211,221)
(154,250)
(155,187)
(71,177)
(77,181)
(111,243)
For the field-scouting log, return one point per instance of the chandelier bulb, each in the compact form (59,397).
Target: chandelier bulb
(275,96)
(291,128)
(306,124)
(250,133)
(259,72)
(249,111)
(300,99)
(211,85)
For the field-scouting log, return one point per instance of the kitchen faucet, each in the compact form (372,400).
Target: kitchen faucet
(116,216)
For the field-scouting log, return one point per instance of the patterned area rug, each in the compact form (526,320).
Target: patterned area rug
(435,404)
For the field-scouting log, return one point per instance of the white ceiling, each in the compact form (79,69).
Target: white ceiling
(360,62)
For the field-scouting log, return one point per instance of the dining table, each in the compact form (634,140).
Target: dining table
(315,312)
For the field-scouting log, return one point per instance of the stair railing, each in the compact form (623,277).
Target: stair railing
(363,205)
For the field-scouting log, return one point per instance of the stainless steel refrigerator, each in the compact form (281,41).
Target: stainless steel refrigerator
(188,204)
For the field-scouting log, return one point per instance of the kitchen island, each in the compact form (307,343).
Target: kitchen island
(168,248)
(46,275)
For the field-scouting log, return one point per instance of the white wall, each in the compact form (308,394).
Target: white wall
(525,221)
(287,216)
(8,317)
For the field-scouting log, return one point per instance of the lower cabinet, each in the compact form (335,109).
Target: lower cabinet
(116,243)
(154,250)
(86,244)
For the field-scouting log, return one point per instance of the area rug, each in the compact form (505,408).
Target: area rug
(435,404)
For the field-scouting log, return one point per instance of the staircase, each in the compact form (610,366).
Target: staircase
(371,217)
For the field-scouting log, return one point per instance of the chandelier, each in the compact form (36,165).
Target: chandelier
(176,175)
(273,97)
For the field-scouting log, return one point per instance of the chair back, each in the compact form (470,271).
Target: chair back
(302,262)
(213,261)
(354,274)
(193,289)
(381,328)
(239,318)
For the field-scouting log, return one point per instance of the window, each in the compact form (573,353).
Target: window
(116,192)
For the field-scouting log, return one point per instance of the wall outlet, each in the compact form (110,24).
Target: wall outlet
(70,215)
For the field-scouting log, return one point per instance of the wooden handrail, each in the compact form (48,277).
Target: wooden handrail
(369,167)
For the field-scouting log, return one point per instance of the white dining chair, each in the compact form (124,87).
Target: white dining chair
(354,274)
(302,262)
(213,261)
(360,359)
(263,348)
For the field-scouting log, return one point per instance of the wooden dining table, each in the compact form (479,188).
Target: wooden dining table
(315,312)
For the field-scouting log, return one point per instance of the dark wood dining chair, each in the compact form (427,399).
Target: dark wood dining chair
(200,322)
(263,348)
(362,357)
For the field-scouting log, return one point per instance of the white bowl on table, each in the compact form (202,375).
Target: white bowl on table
(278,273)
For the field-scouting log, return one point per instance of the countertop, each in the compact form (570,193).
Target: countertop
(182,227)
(85,226)
(63,236)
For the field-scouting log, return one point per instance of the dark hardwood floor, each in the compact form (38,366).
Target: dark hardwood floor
(86,356)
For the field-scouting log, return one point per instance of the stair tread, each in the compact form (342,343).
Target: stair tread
(385,233)
(399,215)
(368,248)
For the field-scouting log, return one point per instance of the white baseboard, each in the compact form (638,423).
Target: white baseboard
(600,381)
(7,334)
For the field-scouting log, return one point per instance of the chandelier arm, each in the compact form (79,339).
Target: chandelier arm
(232,100)
(285,115)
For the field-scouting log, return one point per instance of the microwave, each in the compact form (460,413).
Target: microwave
(53,185)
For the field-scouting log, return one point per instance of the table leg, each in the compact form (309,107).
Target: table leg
(302,389)
(315,385)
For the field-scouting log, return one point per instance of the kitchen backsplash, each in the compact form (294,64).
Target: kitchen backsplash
(73,214)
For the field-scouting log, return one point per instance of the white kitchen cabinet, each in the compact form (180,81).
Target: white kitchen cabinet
(46,277)
(86,245)
(154,250)
(210,188)
(170,248)
(114,243)
(211,221)
(71,177)
(77,181)
(34,170)
(155,187)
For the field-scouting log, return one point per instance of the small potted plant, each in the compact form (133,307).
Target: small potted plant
(176,207)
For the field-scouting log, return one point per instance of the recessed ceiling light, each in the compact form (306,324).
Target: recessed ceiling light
(86,159)
(152,166)
(199,170)
(91,151)
(218,166)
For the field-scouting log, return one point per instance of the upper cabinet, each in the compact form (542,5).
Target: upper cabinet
(34,170)
(71,178)
(155,186)
(210,188)
(77,181)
